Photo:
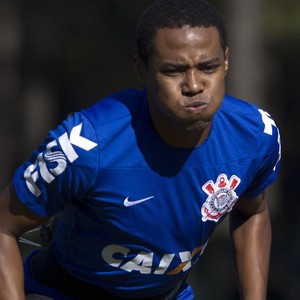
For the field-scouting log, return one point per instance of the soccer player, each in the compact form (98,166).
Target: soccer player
(143,177)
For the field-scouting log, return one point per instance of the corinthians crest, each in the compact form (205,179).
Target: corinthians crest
(221,197)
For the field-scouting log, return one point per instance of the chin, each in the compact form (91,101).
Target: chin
(198,126)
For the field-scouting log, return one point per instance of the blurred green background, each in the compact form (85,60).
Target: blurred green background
(59,56)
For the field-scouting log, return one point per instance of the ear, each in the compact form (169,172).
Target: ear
(226,60)
(139,69)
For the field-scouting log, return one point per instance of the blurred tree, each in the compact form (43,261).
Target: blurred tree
(10,52)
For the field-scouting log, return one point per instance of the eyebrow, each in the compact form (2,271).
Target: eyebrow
(211,60)
(206,62)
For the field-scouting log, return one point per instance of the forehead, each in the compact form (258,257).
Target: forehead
(173,41)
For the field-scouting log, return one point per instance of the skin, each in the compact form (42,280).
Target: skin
(15,219)
(250,230)
(185,80)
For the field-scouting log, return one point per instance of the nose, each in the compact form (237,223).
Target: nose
(193,82)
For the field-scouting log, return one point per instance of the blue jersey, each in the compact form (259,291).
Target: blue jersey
(137,212)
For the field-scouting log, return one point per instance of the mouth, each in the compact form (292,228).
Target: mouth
(196,106)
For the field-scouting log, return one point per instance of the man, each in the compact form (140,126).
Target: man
(143,177)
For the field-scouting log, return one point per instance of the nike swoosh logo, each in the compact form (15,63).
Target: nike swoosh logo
(128,203)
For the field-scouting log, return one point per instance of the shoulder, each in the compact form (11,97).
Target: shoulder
(123,104)
(248,116)
(239,109)
(250,124)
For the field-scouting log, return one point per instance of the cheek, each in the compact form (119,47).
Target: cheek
(166,90)
(218,85)
(164,97)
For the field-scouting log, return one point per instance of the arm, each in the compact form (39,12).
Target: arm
(15,219)
(250,230)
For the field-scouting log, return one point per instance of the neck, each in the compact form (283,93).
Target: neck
(189,137)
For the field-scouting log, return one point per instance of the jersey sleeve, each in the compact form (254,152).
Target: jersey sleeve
(267,163)
(62,169)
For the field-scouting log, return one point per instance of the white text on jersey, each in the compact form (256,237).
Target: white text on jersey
(116,256)
(40,167)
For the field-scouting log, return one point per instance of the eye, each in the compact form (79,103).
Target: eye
(171,72)
(209,69)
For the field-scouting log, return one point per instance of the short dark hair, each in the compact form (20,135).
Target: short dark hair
(176,14)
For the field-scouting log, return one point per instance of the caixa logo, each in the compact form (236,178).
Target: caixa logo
(144,262)
(50,164)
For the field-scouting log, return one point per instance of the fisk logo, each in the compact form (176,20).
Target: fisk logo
(40,168)
(269,124)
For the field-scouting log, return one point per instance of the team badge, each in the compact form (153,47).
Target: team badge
(221,197)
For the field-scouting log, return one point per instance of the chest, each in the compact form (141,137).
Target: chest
(190,202)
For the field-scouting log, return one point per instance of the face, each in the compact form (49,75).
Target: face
(185,79)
